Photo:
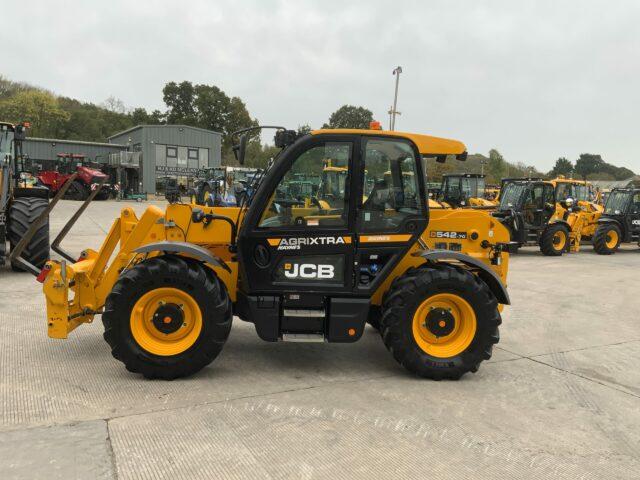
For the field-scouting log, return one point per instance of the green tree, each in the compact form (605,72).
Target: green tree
(562,167)
(497,165)
(179,99)
(38,107)
(207,106)
(349,116)
(589,163)
(304,129)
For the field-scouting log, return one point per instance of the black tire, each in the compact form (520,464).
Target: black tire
(602,239)
(22,214)
(550,241)
(183,274)
(76,191)
(416,286)
(103,194)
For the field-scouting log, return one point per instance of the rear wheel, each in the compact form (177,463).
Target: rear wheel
(167,317)
(607,239)
(554,240)
(440,322)
(76,191)
(22,214)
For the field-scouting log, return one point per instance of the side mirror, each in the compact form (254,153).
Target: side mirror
(240,150)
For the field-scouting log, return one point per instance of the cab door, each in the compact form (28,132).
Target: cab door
(391,208)
(633,217)
(301,241)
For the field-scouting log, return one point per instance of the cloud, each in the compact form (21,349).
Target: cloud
(535,79)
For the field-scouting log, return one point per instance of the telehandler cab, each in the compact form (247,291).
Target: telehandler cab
(620,221)
(460,190)
(437,282)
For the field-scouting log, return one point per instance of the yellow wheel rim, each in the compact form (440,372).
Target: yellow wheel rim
(612,239)
(560,239)
(444,325)
(166,321)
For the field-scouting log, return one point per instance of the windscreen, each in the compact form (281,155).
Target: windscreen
(563,191)
(582,193)
(6,143)
(617,203)
(511,195)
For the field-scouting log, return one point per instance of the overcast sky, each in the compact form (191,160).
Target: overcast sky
(534,79)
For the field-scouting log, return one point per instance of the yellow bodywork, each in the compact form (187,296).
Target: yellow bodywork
(91,278)
(89,281)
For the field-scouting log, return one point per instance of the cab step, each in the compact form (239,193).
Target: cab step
(305,313)
(303,337)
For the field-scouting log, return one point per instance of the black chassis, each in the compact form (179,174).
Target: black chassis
(267,301)
(522,231)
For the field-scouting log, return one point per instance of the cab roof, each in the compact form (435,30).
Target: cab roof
(427,145)
(465,175)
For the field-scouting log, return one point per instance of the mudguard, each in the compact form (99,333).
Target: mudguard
(563,222)
(190,249)
(610,220)
(484,272)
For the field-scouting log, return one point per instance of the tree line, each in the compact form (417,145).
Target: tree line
(590,167)
(209,107)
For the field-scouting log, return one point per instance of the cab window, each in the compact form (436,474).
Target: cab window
(635,206)
(313,193)
(390,190)
(563,191)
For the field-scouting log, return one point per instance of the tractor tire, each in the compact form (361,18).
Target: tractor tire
(22,214)
(554,241)
(103,194)
(167,317)
(76,191)
(440,321)
(606,240)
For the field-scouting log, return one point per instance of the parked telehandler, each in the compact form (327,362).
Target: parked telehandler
(620,221)
(534,214)
(168,295)
(584,197)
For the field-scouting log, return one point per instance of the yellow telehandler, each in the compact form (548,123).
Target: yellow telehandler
(168,284)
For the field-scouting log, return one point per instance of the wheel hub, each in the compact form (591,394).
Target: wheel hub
(440,322)
(168,318)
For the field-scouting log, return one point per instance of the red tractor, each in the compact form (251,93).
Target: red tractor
(87,179)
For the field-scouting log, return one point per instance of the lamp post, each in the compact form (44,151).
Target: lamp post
(394,111)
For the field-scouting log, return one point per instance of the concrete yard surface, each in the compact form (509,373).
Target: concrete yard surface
(560,399)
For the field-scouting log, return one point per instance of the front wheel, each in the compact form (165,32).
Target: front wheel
(554,240)
(440,322)
(167,317)
(606,240)
(23,213)
(76,191)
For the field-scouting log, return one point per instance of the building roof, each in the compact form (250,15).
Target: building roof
(610,184)
(75,142)
(137,127)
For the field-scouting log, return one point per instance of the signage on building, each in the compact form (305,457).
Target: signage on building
(176,170)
